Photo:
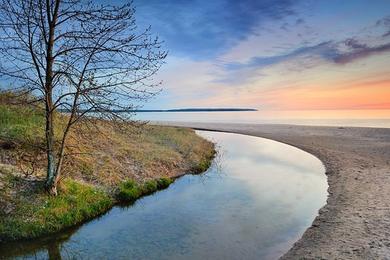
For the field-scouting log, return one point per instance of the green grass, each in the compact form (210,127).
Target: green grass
(37,213)
(98,175)
(41,214)
(21,124)
(203,164)
(163,183)
(129,190)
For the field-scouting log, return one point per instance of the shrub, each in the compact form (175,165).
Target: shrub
(164,183)
(129,190)
(149,187)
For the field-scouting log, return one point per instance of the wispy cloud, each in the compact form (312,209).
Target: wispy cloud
(361,52)
(384,22)
(227,52)
(204,29)
(329,51)
(323,49)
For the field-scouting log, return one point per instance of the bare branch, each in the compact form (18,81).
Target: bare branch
(80,57)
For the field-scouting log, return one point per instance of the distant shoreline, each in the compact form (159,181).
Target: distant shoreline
(175,110)
(197,110)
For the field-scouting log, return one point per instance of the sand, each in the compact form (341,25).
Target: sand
(355,222)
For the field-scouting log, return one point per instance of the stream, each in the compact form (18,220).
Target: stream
(254,202)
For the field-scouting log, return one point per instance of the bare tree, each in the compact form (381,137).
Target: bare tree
(76,56)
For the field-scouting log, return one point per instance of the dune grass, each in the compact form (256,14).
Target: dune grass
(105,167)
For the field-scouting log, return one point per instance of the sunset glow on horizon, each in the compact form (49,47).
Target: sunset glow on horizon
(322,56)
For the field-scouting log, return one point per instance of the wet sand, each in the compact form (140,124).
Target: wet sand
(355,222)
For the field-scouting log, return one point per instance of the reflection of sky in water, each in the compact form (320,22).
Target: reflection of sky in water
(255,205)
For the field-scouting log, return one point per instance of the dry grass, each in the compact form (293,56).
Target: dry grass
(99,153)
(107,156)
(101,162)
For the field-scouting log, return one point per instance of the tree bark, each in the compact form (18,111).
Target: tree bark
(54,163)
(51,179)
(52,173)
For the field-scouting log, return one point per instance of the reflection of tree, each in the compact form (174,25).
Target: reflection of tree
(53,250)
(52,244)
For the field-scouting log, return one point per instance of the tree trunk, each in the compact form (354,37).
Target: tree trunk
(51,179)
(52,173)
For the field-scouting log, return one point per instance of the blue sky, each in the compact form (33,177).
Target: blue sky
(204,29)
(228,52)
(274,55)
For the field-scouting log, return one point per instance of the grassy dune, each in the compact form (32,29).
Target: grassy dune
(103,166)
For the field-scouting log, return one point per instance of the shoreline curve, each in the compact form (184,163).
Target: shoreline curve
(355,221)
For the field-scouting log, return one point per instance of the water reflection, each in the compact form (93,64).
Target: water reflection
(44,248)
(254,205)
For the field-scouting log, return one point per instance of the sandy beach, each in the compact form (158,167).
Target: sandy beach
(355,222)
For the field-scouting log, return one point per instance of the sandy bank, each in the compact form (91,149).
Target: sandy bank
(355,223)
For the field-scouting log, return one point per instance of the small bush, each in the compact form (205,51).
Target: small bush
(129,191)
(129,184)
(203,164)
(164,183)
(149,187)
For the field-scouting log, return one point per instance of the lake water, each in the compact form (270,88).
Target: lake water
(357,118)
(255,201)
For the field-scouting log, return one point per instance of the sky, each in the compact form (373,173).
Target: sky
(276,55)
